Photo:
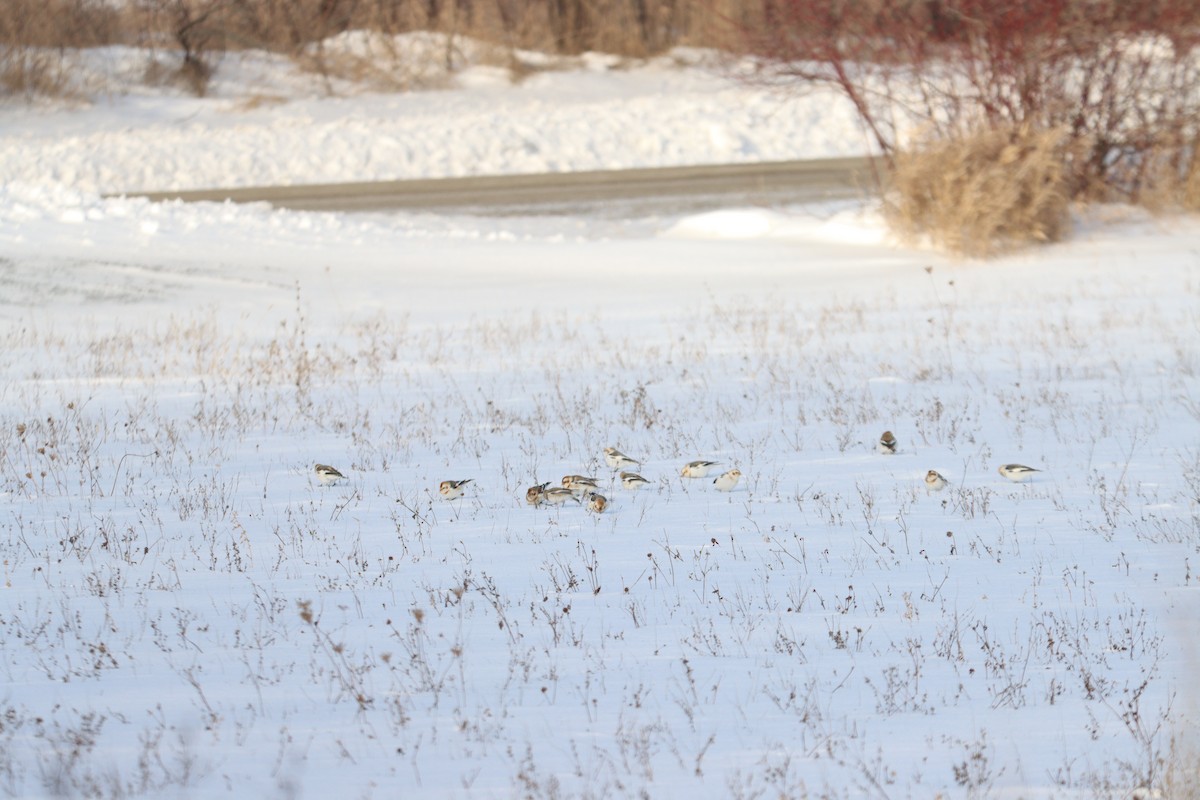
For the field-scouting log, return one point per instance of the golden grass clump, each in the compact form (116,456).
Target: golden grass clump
(1173,178)
(1191,184)
(1190,196)
(990,191)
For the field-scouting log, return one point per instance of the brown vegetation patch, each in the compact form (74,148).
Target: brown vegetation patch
(981,194)
(1119,81)
(1172,180)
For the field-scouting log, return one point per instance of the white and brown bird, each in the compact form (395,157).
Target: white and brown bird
(452,490)
(536,495)
(934,481)
(597,502)
(1017,473)
(578,484)
(633,481)
(327,474)
(726,481)
(697,469)
(618,460)
(556,495)
(887,443)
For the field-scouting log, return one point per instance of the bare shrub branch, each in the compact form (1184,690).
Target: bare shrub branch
(1119,78)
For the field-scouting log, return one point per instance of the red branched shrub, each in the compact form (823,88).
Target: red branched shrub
(1119,76)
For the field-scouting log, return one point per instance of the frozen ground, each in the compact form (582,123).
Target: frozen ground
(188,612)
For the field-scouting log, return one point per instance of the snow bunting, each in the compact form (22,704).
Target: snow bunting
(727,480)
(1017,472)
(534,495)
(597,502)
(697,469)
(327,474)
(556,495)
(578,484)
(633,481)
(934,481)
(887,444)
(452,490)
(618,460)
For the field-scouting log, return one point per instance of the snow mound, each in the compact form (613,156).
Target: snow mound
(844,225)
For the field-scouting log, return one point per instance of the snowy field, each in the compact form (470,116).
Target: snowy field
(188,612)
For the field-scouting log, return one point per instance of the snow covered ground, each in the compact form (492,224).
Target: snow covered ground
(187,611)
(266,124)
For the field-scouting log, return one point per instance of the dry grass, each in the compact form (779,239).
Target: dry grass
(1172,179)
(989,192)
(1190,196)
(32,35)
(32,72)
(1181,779)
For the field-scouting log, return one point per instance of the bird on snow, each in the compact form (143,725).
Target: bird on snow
(452,490)
(556,495)
(1017,472)
(535,495)
(934,481)
(633,481)
(887,444)
(327,474)
(727,480)
(618,460)
(697,469)
(597,502)
(578,484)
